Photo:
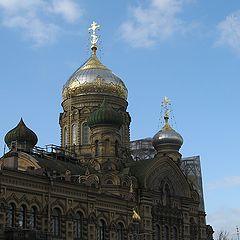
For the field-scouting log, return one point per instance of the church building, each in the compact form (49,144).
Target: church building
(91,187)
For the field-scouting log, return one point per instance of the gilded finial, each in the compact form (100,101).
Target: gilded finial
(94,36)
(135,216)
(166,103)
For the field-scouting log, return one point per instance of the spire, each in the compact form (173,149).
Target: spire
(94,36)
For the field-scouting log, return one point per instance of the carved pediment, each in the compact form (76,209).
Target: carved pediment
(165,170)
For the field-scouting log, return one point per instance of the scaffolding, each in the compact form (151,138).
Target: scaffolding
(142,149)
(191,167)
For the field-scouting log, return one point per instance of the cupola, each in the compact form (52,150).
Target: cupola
(21,137)
(105,115)
(93,77)
(167,139)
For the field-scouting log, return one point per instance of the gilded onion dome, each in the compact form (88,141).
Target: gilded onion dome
(21,137)
(105,115)
(94,77)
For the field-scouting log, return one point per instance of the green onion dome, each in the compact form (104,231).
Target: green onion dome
(105,115)
(21,137)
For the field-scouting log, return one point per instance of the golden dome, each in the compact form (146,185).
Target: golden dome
(93,77)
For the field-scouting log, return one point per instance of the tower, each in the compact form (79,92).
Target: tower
(82,95)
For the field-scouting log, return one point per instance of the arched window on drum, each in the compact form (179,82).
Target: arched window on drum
(74,134)
(65,137)
(85,133)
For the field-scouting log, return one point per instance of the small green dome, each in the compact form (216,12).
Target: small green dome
(24,137)
(105,115)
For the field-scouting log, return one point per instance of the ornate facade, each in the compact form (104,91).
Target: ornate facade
(90,187)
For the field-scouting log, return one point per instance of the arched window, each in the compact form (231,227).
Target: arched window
(175,233)
(166,195)
(78,225)
(165,233)
(116,148)
(56,222)
(96,148)
(11,215)
(107,147)
(74,134)
(22,216)
(65,137)
(120,231)
(102,230)
(157,233)
(85,134)
(33,217)
(109,182)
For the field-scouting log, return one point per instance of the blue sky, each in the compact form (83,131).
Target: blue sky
(188,50)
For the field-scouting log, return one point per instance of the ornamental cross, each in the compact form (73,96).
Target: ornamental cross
(166,103)
(93,28)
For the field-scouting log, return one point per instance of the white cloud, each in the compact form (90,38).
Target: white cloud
(153,23)
(229,32)
(226,182)
(37,20)
(67,8)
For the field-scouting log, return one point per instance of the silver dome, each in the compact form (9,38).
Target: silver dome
(167,136)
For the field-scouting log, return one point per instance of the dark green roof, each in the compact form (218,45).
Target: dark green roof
(22,135)
(105,115)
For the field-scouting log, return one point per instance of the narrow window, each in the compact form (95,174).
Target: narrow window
(22,217)
(11,215)
(85,134)
(102,230)
(157,233)
(78,225)
(165,233)
(33,217)
(175,233)
(74,134)
(107,147)
(96,148)
(65,137)
(120,231)
(56,221)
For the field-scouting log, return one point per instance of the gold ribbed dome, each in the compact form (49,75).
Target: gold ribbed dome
(93,77)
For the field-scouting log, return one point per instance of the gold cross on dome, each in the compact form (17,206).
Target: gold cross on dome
(166,103)
(94,37)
